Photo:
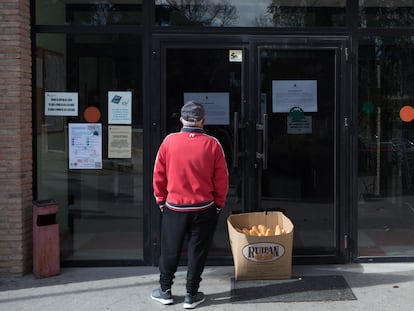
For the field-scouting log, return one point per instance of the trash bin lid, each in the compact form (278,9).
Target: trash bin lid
(44,202)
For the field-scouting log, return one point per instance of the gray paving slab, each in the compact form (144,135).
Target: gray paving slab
(377,287)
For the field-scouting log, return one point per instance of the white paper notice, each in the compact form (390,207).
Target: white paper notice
(287,94)
(119,141)
(61,104)
(85,145)
(216,105)
(119,107)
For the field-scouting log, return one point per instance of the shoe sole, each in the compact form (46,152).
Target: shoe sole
(163,301)
(194,304)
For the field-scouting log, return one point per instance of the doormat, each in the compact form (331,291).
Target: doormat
(298,289)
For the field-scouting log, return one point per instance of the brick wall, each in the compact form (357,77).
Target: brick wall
(15,137)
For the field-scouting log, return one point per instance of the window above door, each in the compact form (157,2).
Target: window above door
(260,13)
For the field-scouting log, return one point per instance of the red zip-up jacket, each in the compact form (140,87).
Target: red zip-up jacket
(190,171)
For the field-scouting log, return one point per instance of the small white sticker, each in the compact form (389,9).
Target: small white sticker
(236,56)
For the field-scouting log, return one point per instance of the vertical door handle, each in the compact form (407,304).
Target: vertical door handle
(264,128)
(265,141)
(236,140)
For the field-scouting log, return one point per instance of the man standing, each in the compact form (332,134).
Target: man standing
(190,182)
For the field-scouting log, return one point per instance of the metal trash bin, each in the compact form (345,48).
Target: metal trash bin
(46,246)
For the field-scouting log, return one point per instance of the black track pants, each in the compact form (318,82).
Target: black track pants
(199,228)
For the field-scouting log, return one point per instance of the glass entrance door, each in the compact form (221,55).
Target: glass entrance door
(299,93)
(275,109)
(214,77)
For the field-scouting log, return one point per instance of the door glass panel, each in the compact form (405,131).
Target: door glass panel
(386,147)
(210,74)
(100,209)
(297,91)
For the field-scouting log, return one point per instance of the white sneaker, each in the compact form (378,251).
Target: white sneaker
(162,297)
(192,301)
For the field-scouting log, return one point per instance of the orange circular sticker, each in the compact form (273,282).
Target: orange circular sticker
(407,113)
(92,114)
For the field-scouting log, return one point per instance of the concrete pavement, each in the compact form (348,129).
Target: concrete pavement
(377,287)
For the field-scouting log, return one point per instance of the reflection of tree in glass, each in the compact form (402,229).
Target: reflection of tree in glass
(386,13)
(278,15)
(202,12)
(287,16)
(302,13)
(104,13)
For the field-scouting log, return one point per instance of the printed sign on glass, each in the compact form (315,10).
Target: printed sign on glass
(119,107)
(85,145)
(119,141)
(287,94)
(216,105)
(61,104)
